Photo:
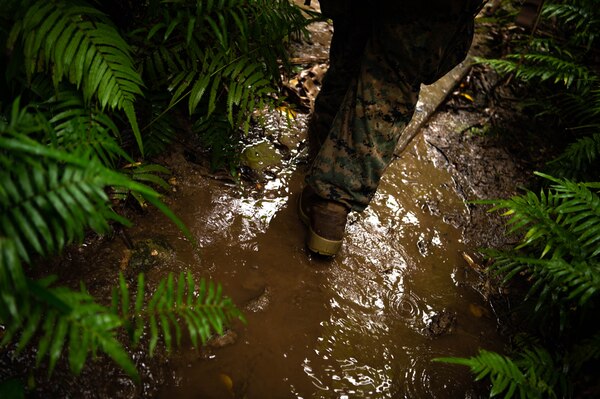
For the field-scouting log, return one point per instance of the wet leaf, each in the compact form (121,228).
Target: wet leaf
(478,310)
(288,112)
(468,97)
(471,262)
(227,382)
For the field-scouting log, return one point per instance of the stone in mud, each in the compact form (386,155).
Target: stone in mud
(148,254)
(260,303)
(292,138)
(261,156)
(441,323)
(229,337)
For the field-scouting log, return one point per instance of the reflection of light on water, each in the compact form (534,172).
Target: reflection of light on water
(410,218)
(240,220)
(356,351)
(436,240)
(259,213)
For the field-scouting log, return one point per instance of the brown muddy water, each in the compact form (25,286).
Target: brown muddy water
(365,324)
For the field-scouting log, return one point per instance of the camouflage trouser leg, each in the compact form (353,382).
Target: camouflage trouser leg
(379,102)
(345,53)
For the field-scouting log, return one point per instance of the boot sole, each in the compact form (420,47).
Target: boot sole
(321,245)
(315,242)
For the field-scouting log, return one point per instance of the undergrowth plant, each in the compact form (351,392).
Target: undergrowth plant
(89,91)
(558,255)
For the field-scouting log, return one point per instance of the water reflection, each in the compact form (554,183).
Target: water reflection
(375,343)
(353,327)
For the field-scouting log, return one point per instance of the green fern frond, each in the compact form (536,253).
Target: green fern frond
(536,216)
(578,158)
(509,377)
(562,237)
(44,206)
(145,173)
(80,44)
(49,196)
(565,219)
(543,67)
(59,318)
(555,281)
(582,16)
(222,141)
(223,56)
(76,125)
(201,308)
(62,320)
(159,135)
(502,371)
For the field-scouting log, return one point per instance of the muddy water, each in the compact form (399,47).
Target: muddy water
(365,324)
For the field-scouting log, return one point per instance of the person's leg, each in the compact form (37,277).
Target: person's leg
(376,108)
(380,103)
(350,35)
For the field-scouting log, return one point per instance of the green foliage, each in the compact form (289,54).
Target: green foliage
(559,255)
(48,198)
(540,67)
(580,160)
(557,258)
(564,58)
(75,125)
(215,134)
(561,230)
(77,77)
(529,376)
(580,19)
(201,308)
(66,320)
(224,58)
(559,62)
(80,43)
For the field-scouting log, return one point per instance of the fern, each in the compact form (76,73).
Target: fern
(80,44)
(562,231)
(237,71)
(556,281)
(161,130)
(563,219)
(75,125)
(48,197)
(582,16)
(145,173)
(509,377)
(202,309)
(542,68)
(217,136)
(63,319)
(57,315)
(579,158)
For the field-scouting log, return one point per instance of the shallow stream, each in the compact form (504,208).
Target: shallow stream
(365,324)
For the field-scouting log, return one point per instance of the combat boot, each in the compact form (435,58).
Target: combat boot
(326,221)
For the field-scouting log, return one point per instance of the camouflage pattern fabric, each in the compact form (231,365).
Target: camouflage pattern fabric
(379,57)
